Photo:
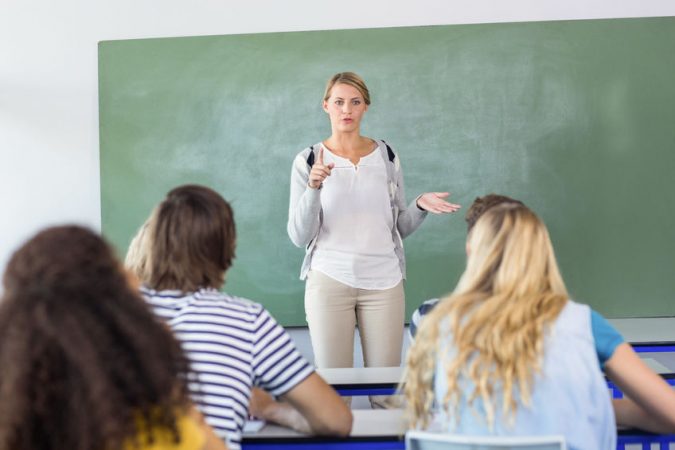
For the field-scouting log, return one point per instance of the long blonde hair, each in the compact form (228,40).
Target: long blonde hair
(498,315)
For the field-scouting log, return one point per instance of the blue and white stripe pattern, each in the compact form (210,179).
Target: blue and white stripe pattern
(233,344)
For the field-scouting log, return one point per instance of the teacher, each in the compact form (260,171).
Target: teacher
(348,210)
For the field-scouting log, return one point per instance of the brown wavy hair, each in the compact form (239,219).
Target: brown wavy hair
(85,364)
(187,243)
(482,204)
(497,317)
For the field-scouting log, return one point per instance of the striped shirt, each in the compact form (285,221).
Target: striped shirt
(233,344)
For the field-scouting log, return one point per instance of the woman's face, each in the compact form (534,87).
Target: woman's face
(345,107)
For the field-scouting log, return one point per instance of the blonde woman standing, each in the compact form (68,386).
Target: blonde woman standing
(348,210)
(509,354)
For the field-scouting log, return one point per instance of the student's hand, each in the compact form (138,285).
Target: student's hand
(321,406)
(319,171)
(263,406)
(434,203)
(259,403)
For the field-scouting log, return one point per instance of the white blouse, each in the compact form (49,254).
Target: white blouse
(354,245)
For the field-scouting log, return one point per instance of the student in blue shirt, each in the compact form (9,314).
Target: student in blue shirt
(508,353)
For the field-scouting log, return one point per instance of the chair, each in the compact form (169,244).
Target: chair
(424,440)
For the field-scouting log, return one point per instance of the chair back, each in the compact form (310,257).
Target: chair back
(424,440)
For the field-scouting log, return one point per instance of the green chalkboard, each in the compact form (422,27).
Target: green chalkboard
(576,118)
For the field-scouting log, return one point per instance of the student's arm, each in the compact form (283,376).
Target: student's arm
(650,405)
(263,406)
(281,370)
(321,406)
(211,442)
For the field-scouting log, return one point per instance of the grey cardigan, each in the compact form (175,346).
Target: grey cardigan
(305,215)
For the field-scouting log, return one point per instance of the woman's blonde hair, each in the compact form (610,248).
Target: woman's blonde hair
(497,317)
(351,79)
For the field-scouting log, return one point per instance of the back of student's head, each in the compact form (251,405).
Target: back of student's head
(482,204)
(496,318)
(510,253)
(83,360)
(189,241)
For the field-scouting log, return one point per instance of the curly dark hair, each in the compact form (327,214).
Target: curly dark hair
(85,364)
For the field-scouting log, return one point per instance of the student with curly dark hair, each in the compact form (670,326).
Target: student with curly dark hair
(85,365)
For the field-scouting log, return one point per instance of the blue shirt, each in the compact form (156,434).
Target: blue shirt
(606,338)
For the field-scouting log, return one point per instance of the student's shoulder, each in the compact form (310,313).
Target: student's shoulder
(582,318)
(424,309)
(204,301)
(428,305)
(585,320)
(212,298)
(574,318)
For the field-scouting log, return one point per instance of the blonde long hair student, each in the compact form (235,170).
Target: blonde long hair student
(509,353)
(348,210)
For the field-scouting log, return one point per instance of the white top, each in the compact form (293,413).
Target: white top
(355,245)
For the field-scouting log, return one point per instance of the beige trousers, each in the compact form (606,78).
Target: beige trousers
(333,310)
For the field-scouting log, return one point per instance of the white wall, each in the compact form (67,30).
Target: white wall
(48,76)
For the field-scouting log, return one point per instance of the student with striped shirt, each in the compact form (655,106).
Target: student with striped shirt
(234,345)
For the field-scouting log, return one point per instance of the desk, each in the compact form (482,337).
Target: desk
(385,380)
(363,381)
(384,429)
(648,335)
(378,429)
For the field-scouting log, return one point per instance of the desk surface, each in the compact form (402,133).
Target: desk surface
(646,330)
(372,377)
(376,425)
(368,424)
(377,377)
